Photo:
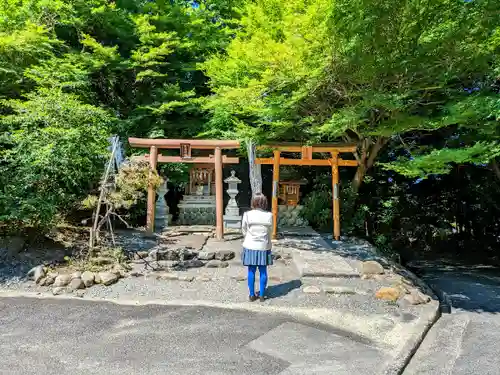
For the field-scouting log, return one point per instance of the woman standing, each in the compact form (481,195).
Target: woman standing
(256,226)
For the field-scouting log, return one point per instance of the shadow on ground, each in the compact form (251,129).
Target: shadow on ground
(280,290)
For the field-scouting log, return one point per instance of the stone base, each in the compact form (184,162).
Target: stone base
(197,210)
(289,216)
(233,222)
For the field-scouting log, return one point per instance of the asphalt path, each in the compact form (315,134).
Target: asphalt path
(467,341)
(52,336)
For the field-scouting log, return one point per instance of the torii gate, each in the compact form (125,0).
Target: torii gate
(185,146)
(307,159)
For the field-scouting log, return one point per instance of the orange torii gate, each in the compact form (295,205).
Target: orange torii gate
(307,160)
(185,146)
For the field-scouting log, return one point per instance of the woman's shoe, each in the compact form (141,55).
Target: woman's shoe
(253,298)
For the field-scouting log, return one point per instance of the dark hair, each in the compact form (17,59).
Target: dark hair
(259,200)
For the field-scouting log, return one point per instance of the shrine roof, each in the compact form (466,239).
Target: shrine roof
(176,143)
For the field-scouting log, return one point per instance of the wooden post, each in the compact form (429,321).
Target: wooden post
(150,221)
(219,195)
(335,194)
(276,179)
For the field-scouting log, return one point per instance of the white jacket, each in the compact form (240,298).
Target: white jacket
(257,226)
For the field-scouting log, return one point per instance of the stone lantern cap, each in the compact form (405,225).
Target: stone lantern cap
(232,178)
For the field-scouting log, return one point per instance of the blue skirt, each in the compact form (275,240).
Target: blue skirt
(256,257)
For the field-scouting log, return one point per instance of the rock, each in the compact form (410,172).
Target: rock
(76,275)
(311,289)
(204,278)
(193,263)
(416,297)
(372,267)
(88,279)
(108,278)
(59,290)
(206,255)
(42,281)
(118,270)
(141,255)
(225,255)
(167,276)
(339,290)
(80,293)
(62,280)
(388,293)
(215,263)
(52,275)
(167,255)
(136,274)
(187,278)
(103,261)
(97,278)
(49,281)
(168,263)
(76,284)
(38,273)
(153,254)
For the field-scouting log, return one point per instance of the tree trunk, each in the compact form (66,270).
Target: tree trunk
(369,151)
(254,169)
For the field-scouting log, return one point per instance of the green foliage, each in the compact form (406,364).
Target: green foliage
(55,147)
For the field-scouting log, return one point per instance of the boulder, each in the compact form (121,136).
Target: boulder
(388,293)
(141,255)
(215,263)
(76,275)
(225,255)
(108,278)
(206,255)
(118,270)
(167,255)
(62,280)
(193,263)
(97,278)
(416,297)
(49,281)
(59,290)
(88,278)
(372,267)
(76,284)
(167,276)
(36,274)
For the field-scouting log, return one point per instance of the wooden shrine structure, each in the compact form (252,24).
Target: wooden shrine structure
(306,159)
(185,147)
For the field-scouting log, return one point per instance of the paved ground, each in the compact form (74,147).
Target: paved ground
(467,340)
(81,337)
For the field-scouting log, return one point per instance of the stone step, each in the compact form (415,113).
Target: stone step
(310,264)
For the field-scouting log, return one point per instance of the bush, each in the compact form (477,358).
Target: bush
(54,151)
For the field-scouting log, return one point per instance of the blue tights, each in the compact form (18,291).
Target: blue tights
(252,270)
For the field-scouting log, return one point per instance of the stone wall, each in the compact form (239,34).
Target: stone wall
(196,216)
(289,216)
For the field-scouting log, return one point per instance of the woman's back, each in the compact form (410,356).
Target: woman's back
(256,227)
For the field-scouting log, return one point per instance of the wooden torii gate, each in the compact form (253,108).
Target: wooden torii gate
(307,160)
(185,146)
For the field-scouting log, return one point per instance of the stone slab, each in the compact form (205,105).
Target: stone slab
(441,347)
(314,351)
(314,257)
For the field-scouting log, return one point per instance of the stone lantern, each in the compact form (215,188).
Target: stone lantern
(232,217)
(162,212)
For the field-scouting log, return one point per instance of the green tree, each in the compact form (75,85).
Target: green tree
(359,71)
